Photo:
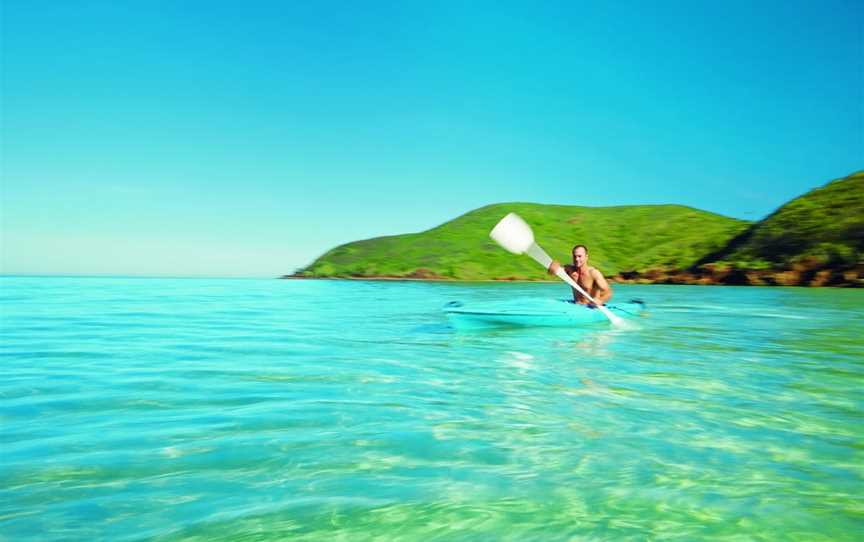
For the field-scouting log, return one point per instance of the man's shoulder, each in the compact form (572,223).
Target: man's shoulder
(595,272)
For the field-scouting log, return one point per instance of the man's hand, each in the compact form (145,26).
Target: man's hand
(554,267)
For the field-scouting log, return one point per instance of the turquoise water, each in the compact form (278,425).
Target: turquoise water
(139,409)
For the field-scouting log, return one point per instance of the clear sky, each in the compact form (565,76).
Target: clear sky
(247,138)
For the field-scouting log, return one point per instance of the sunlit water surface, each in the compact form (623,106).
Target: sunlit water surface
(139,409)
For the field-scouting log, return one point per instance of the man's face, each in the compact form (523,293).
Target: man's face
(580,257)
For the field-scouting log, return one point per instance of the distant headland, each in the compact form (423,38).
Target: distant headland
(816,239)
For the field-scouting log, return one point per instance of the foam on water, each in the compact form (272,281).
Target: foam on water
(135,409)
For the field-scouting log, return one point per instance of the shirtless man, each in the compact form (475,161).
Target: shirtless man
(589,278)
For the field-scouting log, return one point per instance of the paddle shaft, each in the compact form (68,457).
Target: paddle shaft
(566,278)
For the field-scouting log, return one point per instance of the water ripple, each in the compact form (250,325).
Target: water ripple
(315,410)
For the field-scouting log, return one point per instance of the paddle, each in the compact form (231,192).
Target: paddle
(515,236)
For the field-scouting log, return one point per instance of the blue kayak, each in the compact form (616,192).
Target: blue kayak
(533,312)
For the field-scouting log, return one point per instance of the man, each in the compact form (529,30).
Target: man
(589,278)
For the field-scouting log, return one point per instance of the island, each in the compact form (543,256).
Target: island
(814,240)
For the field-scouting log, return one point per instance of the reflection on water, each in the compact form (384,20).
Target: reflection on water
(312,410)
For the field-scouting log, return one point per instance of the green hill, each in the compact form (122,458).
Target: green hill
(619,239)
(824,227)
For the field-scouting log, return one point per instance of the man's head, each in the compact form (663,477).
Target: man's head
(580,255)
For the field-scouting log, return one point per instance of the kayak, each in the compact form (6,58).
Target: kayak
(533,312)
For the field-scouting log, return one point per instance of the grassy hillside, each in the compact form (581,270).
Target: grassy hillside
(619,238)
(824,227)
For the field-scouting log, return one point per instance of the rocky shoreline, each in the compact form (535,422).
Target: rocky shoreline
(804,274)
(809,274)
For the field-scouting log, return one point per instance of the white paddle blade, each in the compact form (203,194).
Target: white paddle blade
(616,320)
(513,234)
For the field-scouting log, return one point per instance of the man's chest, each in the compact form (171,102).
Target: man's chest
(583,277)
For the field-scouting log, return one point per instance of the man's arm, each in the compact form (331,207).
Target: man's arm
(604,291)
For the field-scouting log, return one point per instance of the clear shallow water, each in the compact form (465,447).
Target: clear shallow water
(137,409)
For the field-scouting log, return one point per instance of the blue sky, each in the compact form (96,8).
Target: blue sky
(247,138)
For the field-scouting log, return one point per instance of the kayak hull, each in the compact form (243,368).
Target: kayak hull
(533,313)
